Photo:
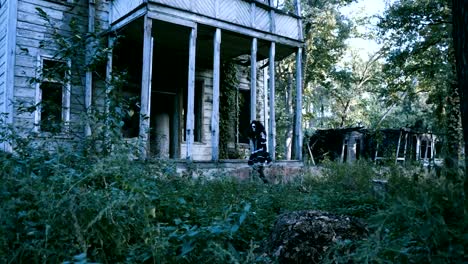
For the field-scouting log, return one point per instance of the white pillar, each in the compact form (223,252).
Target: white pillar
(189,130)
(89,73)
(253,80)
(146,87)
(298,119)
(215,113)
(265,99)
(272,132)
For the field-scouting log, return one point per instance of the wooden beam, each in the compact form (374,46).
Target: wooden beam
(345,142)
(253,80)
(216,78)
(272,132)
(145,108)
(406,146)
(398,147)
(189,130)
(224,25)
(298,117)
(172,19)
(128,19)
(418,147)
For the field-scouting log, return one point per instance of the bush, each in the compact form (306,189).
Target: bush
(69,205)
(423,221)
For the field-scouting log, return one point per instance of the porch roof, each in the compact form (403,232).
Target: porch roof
(245,18)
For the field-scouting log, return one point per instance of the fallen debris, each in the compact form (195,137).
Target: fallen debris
(304,236)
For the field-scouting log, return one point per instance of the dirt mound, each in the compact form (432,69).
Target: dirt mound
(304,236)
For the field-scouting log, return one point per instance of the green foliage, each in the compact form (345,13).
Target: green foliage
(228,108)
(422,221)
(72,206)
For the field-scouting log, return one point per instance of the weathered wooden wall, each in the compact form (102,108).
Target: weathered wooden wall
(202,150)
(31,31)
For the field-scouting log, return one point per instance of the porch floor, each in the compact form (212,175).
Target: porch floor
(278,171)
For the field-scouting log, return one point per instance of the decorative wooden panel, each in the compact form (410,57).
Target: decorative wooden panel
(182,4)
(236,12)
(227,10)
(286,26)
(262,19)
(206,7)
(122,7)
(243,12)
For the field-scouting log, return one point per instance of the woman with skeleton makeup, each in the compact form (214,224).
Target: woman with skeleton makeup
(259,155)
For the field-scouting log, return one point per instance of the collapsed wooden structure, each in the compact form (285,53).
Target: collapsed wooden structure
(172,51)
(395,145)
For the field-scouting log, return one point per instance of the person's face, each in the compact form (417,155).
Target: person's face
(253,127)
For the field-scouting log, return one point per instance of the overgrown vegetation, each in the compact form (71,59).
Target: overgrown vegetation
(67,206)
(229,105)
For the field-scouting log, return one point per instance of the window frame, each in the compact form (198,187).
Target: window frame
(66,94)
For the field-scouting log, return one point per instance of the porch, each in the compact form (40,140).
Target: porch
(173,50)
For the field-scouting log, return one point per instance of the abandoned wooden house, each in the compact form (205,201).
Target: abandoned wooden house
(172,52)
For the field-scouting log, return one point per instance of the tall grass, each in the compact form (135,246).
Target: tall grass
(72,206)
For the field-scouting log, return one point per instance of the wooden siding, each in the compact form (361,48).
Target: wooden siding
(31,31)
(202,150)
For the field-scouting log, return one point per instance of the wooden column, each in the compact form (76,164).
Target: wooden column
(145,109)
(89,73)
(398,146)
(189,130)
(253,80)
(418,147)
(298,116)
(265,99)
(272,132)
(215,113)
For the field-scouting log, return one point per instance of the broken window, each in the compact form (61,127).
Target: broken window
(53,96)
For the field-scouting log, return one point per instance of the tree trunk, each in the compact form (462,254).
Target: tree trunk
(459,34)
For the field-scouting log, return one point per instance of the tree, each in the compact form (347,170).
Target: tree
(459,35)
(421,63)
(325,32)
